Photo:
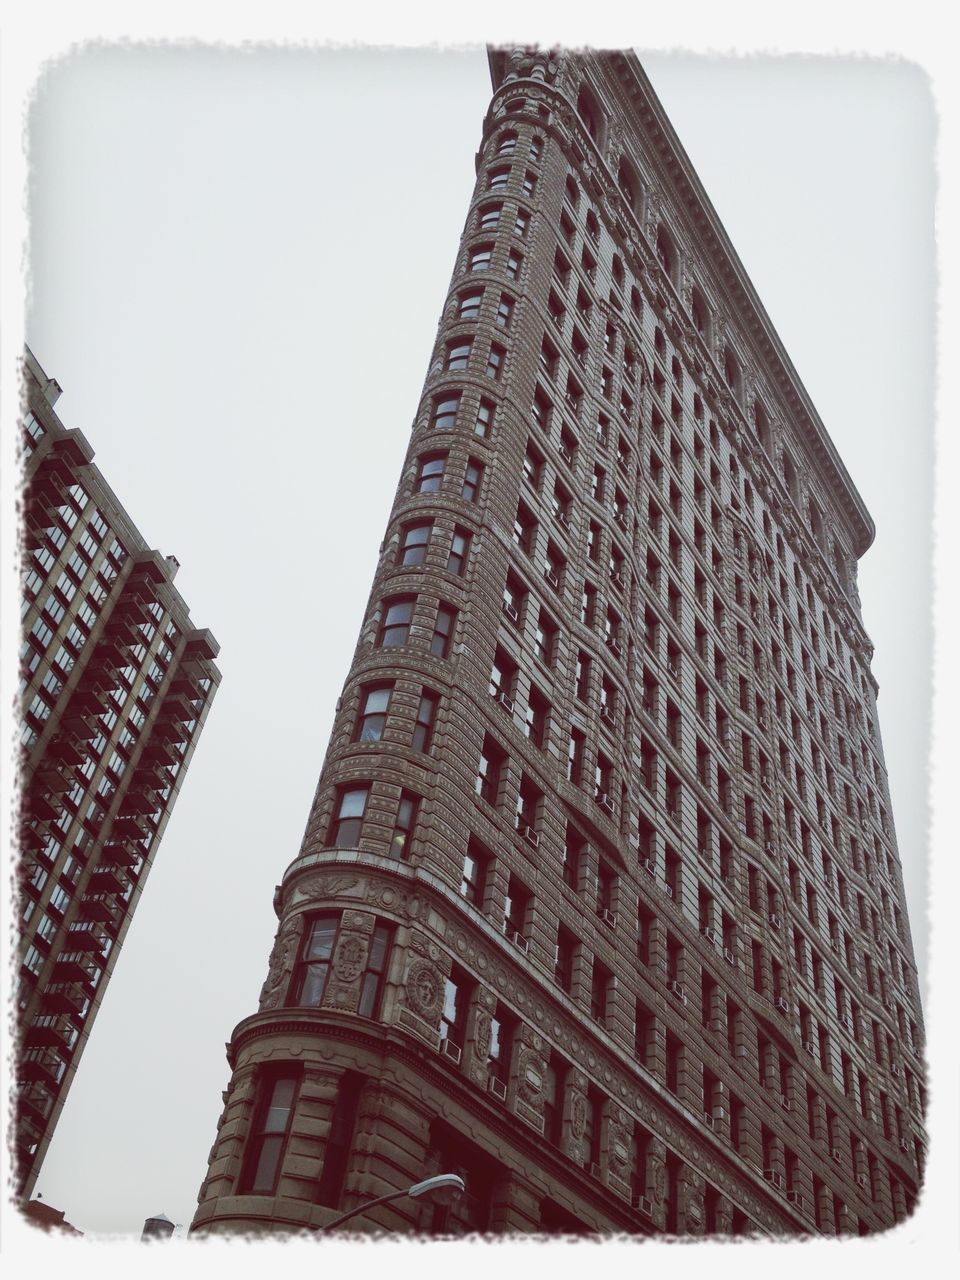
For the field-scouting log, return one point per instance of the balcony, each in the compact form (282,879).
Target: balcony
(101,908)
(109,878)
(65,997)
(51,1031)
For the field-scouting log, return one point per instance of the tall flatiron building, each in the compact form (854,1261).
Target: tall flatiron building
(115,685)
(598,903)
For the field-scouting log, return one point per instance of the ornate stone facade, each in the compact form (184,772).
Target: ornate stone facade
(598,900)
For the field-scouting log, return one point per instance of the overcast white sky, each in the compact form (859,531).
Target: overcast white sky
(238,260)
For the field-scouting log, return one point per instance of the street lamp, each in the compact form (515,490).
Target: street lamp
(452,1183)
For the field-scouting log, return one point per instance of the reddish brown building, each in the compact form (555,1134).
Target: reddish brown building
(115,685)
(599,902)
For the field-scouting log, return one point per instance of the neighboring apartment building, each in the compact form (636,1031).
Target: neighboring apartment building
(599,902)
(115,683)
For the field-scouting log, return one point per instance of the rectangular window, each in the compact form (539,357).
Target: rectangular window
(459,547)
(489,769)
(374,705)
(475,863)
(495,361)
(471,480)
(426,715)
(484,418)
(443,631)
(350,809)
(371,988)
(414,543)
(445,411)
(268,1138)
(458,354)
(311,976)
(395,624)
(406,820)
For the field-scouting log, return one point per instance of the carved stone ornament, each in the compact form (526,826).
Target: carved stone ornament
(424,990)
(530,1080)
(659,1183)
(282,957)
(349,957)
(578,1116)
(482,1035)
(693,1214)
(327,886)
(618,1150)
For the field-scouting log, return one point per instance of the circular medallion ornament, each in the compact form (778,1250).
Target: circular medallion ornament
(482,962)
(659,1184)
(424,994)
(530,1078)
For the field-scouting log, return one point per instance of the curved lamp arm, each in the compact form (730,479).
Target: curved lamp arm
(441,1182)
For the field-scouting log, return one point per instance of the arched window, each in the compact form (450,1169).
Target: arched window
(666,255)
(507,143)
(571,191)
(701,313)
(589,113)
(627,181)
(731,371)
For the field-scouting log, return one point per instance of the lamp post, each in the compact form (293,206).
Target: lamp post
(449,1182)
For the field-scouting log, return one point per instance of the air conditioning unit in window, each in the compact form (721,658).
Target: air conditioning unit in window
(862,1181)
(518,940)
(676,989)
(506,702)
(774,920)
(551,577)
(604,801)
(837,1155)
(729,956)
(617,580)
(511,612)
(608,918)
(769,847)
(765,781)
(775,1179)
(795,1198)
(606,714)
(497,1088)
(613,644)
(668,890)
(904,1145)
(648,866)
(566,455)
(785,1102)
(644,1205)
(894,1069)
(708,1119)
(592,1169)
(709,934)
(450,1050)
(810,1047)
(674,670)
(782,1004)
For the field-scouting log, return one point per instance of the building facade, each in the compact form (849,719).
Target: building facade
(598,902)
(115,683)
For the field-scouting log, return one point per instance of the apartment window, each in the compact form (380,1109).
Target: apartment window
(471,480)
(489,770)
(475,863)
(426,715)
(495,361)
(456,999)
(459,549)
(529,184)
(458,354)
(395,624)
(403,829)
(535,720)
(503,675)
(504,311)
(430,472)
(521,223)
(575,750)
(524,529)
(351,805)
(582,685)
(498,178)
(566,949)
(545,638)
(414,543)
(514,263)
(516,909)
(484,420)
(443,631)
(374,705)
(488,217)
(480,257)
(371,988)
(601,981)
(469,304)
(268,1136)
